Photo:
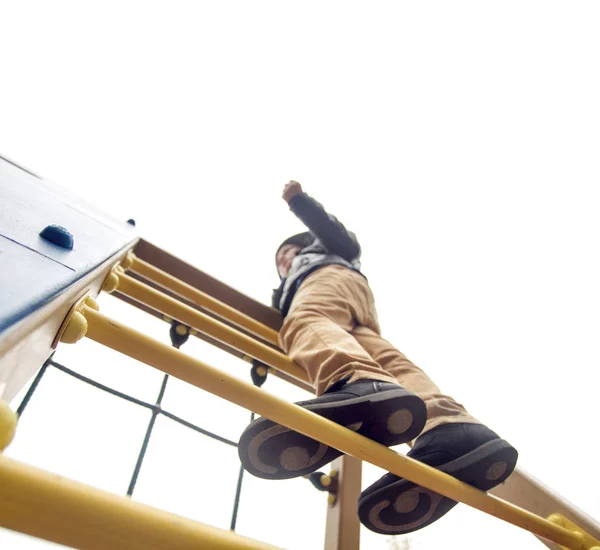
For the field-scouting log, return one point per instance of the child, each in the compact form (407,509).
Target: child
(362,382)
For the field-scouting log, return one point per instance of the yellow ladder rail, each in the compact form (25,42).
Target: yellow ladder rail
(199,298)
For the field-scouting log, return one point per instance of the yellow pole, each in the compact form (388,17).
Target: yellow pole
(8,425)
(169,360)
(203,300)
(204,323)
(60,510)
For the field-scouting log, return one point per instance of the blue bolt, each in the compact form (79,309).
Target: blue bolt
(58,235)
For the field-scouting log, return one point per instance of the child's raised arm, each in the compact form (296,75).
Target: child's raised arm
(326,227)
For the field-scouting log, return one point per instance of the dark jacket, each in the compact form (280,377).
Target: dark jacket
(330,243)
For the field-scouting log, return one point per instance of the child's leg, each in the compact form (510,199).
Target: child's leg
(317,335)
(317,331)
(452,441)
(441,409)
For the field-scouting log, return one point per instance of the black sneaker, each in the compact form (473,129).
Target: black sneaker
(469,452)
(382,411)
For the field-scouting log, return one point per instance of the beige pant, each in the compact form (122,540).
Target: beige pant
(332,331)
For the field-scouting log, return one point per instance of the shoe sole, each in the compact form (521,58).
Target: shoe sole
(272,451)
(402,506)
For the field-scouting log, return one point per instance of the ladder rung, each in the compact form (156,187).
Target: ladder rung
(212,327)
(51,507)
(202,299)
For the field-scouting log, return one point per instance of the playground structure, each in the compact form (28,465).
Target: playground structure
(58,255)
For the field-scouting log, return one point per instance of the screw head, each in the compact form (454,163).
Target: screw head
(182,330)
(325,480)
(261,371)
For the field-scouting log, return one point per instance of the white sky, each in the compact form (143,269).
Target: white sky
(458,140)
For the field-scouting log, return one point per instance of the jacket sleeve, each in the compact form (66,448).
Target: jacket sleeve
(276,295)
(327,228)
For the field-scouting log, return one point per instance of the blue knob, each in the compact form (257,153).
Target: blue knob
(58,235)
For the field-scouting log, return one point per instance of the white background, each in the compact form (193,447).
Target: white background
(459,140)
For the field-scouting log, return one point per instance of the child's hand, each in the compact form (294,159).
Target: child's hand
(290,190)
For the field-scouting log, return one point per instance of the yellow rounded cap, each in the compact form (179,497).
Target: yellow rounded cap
(91,303)
(261,371)
(182,330)
(331,499)
(76,329)
(127,261)
(111,283)
(8,425)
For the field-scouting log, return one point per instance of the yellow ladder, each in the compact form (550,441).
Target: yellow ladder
(60,510)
